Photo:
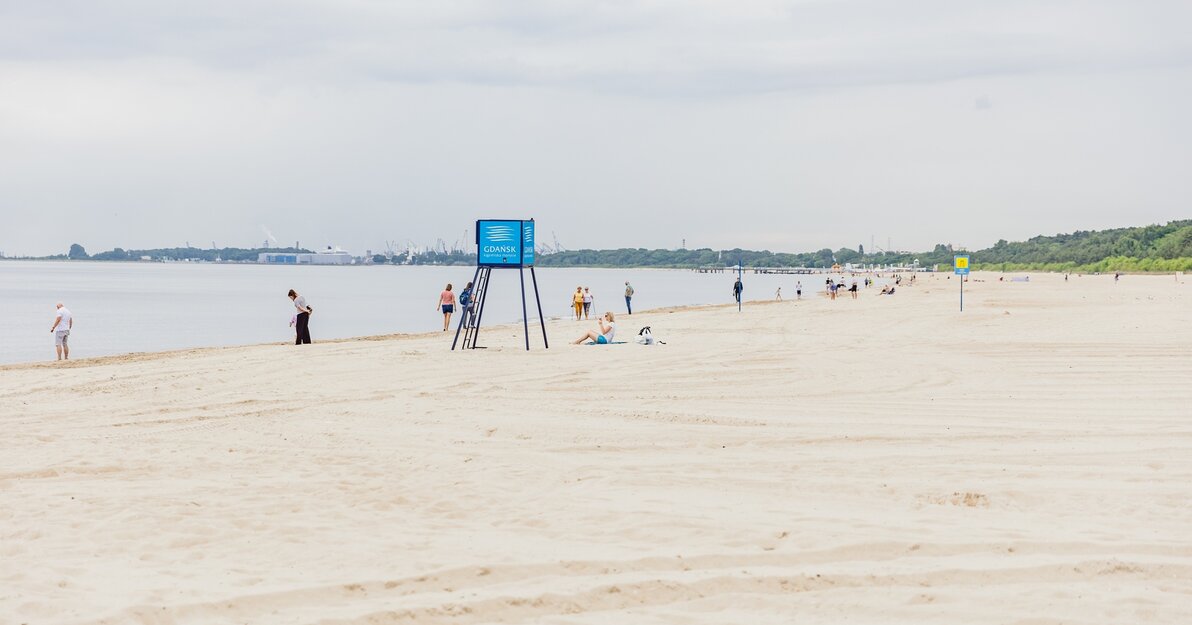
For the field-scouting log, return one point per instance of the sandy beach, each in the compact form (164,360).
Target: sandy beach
(884,460)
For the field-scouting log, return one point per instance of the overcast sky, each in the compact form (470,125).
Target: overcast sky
(761,124)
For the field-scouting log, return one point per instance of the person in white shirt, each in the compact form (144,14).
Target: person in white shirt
(302,319)
(606,334)
(63,322)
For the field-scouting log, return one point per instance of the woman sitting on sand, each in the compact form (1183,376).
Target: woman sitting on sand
(606,334)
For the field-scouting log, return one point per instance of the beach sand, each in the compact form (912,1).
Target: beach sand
(885,460)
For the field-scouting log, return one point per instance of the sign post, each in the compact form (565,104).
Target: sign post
(960,266)
(500,244)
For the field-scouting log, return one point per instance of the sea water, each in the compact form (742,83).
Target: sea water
(145,306)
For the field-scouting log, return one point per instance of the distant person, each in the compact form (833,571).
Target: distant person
(63,322)
(798,290)
(447,305)
(887,290)
(853,289)
(1065,277)
(302,325)
(737,289)
(587,301)
(1116,276)
(778,295)
(577,301)
(628,298)
(606,334)
(465,304)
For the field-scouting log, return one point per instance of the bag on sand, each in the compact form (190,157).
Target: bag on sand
(645,337)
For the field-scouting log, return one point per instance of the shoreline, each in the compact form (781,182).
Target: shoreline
(813,293)
(396,336)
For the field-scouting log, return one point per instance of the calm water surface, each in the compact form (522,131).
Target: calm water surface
(134,307)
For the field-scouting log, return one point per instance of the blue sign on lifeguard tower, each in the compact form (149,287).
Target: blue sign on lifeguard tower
(505,243)
(528,243)
(500,243)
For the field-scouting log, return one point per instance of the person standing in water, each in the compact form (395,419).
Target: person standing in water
(302,321)
(447,305)
(63,322)
(628,298)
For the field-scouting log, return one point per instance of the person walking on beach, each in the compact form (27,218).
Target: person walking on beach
(799,290)
(577,302)
(63,322)
(302,324)
(778,295)
(628,298)
(587,301)
(853,289)
(737,289)
(447,305)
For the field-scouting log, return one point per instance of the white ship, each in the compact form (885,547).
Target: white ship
(329,256)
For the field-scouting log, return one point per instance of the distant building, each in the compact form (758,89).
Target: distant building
(328,256)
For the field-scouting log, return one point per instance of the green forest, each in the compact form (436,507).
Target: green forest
(1148,248)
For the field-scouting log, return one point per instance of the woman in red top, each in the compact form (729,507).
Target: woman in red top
(447,305)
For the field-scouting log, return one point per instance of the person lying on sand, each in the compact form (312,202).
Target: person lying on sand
(606,334)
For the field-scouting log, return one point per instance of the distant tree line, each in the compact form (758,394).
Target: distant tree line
(1148,248)
(229,254)
(427,258)
(1156,247)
